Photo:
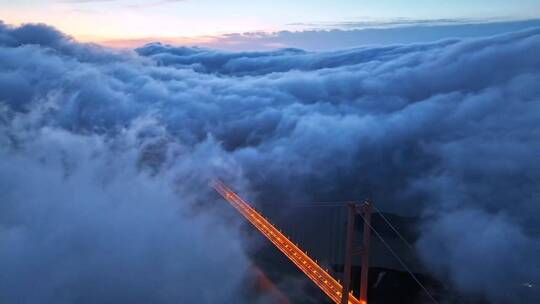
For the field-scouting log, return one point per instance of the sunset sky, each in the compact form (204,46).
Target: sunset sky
(194,20)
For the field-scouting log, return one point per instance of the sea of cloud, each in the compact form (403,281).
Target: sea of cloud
(105,158)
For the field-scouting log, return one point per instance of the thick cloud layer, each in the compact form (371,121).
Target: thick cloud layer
(107,154)
(80,224)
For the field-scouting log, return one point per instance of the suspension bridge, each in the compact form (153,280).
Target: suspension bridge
(336,292)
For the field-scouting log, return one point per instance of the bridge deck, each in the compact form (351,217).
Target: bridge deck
(316,273)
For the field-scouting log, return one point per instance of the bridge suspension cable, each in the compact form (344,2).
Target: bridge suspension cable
(338,204)
(394,229)
(403,264)
(379,236)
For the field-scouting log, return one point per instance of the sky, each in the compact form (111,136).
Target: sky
(197,21)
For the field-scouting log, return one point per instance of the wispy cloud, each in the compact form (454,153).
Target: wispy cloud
(85,1)
(154,3)
(393,22)
(126,3)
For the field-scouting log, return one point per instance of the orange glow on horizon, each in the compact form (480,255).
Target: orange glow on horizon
(128,27)
(137,42)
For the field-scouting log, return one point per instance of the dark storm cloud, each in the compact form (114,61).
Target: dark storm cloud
(447,130)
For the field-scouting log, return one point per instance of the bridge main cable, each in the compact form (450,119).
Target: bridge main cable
(306,264)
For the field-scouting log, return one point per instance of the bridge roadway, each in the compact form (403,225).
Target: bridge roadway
(316,273)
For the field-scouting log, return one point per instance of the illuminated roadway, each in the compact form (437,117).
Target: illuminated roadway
(316,273)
